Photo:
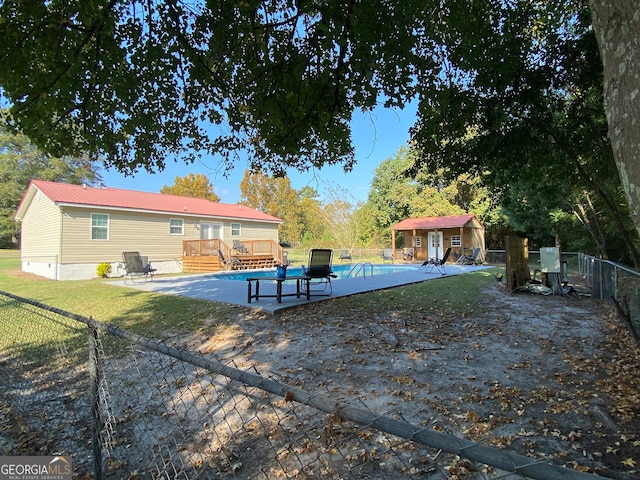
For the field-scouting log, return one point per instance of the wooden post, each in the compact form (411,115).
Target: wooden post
(516,262)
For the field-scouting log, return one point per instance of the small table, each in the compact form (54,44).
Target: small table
(279,281)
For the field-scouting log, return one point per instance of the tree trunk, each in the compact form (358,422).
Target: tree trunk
(617,27)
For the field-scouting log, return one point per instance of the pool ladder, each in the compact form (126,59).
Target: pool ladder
(360,267)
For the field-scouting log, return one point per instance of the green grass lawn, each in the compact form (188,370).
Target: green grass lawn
(143,313)
(157,315)
(38,337)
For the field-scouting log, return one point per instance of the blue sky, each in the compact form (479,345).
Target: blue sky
(377,136)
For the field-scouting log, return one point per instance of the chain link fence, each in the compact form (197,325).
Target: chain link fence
(616,283)
(125,406)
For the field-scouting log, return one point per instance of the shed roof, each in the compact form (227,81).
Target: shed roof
(437,223)
(85,196)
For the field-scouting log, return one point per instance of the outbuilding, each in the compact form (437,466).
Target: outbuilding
(429,237)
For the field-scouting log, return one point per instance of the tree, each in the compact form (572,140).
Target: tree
(534,125)
(21,162)
(311,217)
(392,189)
(192,185)
(276,197)
(138,82)
(340,216)
(617,28)
(397,194)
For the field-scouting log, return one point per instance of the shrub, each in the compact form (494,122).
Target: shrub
(104,269)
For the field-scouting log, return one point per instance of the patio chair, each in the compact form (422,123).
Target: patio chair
(469,260)
(387,254)
(233,263)
(240,248)
(345,255)
(407,253)
(437,263)
(137,266)
(319,271)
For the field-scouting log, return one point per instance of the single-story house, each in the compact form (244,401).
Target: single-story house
(68,230)
(431,236)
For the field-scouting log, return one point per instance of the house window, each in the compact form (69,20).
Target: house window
(417,242)
(456,240)
(176,226)
(99,226)
(235,229)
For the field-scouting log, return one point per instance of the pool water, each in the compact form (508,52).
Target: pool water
(342,271)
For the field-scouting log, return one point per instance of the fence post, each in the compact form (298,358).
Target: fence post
(94,398)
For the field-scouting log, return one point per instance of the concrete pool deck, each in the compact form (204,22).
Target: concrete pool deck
(234,292)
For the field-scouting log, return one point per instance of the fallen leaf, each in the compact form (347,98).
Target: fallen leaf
(629,462)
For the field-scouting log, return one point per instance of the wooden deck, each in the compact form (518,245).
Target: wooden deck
(201,256)
(202,264)
(211,263)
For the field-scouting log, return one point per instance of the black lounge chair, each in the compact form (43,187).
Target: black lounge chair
(437,263)
(319,271)
(137,266)
(469,260)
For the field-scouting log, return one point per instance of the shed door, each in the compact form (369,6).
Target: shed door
(436,249)
(210,231)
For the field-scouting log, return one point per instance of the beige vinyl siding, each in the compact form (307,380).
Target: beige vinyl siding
(128,231)
(40,229)
(251,231)
(147,233)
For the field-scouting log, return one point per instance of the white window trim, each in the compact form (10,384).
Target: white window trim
(181,220)
(91,227)
(417,241)
(459,240)
(239,234)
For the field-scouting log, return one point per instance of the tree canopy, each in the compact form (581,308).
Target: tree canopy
(533,125)
(137,83)
(395,195)
(21,162)
(192,185)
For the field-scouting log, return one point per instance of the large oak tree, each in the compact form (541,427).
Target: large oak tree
(617,27)
(139,82)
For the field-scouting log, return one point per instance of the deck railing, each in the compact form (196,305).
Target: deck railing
(194,248)
(263,247)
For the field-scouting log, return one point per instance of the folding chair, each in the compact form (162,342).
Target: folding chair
(137,266)
(437,263)
(319,269)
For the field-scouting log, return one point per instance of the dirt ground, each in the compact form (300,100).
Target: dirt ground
(546,376)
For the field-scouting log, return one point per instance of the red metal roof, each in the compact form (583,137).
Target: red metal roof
(86,196)
(434,223)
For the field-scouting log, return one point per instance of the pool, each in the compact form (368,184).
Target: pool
(342,271)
